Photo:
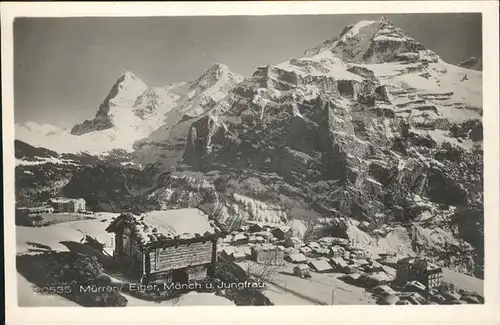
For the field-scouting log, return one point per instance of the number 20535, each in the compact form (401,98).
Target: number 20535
(53,289)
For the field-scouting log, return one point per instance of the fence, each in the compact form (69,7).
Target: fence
(55,219)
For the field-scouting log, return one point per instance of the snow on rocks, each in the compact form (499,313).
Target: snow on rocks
(132,111)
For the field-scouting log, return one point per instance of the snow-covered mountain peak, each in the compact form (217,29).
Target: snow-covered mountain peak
(129,75)
(219,68)
(355,29)
(194,99)
(213,85)
(217,72)
(118,102)
(149,102)
(374,42)
(127,86)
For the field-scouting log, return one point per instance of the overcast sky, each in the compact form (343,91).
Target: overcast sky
(65,67)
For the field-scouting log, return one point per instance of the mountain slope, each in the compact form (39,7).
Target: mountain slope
(370,126)
(165,145)
(472,63)
(123,93)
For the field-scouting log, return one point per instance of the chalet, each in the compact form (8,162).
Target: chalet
(293,242)
(451,295)
(301,270)
(239,256)
(383,290)
(264,234)
(229,251)
(408,269)
(297,258)
(328,241)
(415,286)
(339,264)
(337,251)
(259,240)
(256,227)
(313,245)
(282,233)
(239,239)
(305,250)
(471,299)
(323,251)
(373,266)
(391,272)
(68,205)
(321,266)
(243,228)
(370,280)
(228,239)
(247,251)
(357,253)
(414,297)
(391,261)
(172,245)
(268,254)
(388,300)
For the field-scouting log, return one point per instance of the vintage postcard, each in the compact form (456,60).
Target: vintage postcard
(280,155)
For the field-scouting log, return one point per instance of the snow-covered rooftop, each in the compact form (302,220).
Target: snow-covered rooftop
(321,265)
(180,221)
(167,224)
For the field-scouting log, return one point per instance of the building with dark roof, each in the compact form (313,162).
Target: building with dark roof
(416,269)
(282,233)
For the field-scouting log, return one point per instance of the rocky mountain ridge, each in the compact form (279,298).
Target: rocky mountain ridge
(472,63)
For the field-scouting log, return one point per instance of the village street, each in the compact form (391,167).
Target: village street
(287,289)
(463,281)
(281,297)
(320,289)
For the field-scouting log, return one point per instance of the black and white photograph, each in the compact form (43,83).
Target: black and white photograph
(239,160)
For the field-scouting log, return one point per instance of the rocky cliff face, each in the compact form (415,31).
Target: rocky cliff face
(125,90)
(165,146)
